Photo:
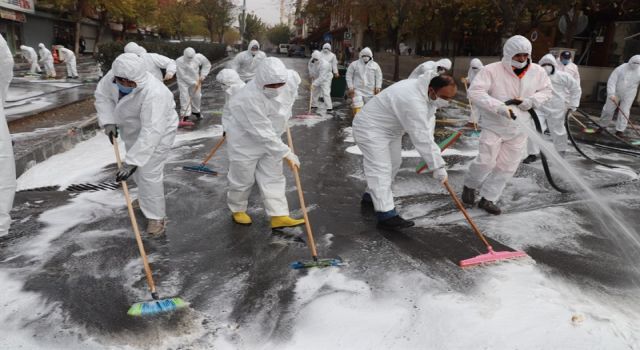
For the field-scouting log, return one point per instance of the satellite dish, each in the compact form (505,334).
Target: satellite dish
(583,22)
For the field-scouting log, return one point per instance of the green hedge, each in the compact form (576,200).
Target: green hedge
(108,52)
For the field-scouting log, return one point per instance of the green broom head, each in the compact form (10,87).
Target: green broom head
(155,307)
(316,263)
(444,144)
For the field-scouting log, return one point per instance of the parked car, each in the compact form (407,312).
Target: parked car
(284,49)
(297,51)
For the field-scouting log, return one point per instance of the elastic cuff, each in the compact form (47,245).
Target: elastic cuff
(384,215)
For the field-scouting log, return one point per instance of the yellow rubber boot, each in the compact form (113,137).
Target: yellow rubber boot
(285,221)
(242,218)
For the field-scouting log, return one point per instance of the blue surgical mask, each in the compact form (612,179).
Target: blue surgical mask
(565,61)
(125,90)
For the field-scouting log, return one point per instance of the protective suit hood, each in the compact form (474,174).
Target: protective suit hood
(253,43)
(515,45)
(445,62)
(634,62)
(189,53)
(271,71)
(425,80)
(134,48)
(316,54)
(326,46)
(366,52)
(476,63)
(131,67)
(548,59)
(228,77)
(22,47)
(41,45)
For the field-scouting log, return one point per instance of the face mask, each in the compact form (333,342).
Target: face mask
(565,61)
(366,59)
(549,69)
(125,90)
(518,65)
(271,92)
(441,103)
(634,66)
(326,50)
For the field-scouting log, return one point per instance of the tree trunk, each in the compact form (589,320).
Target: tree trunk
(103,23)
(77,38)
(396,61)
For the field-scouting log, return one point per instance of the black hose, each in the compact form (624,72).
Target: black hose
(545,164)
(575,144)
(586,115)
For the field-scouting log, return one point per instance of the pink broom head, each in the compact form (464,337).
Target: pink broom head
(491,257)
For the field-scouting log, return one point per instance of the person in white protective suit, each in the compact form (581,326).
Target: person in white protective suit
(153,62)
(129,100)
(46,59)
(408,106)
(69,58)
(364,76)
(474,68)
(622,88)
(502,140)
(255,148)
(286,99)
(246,63)
(7,163)
(231,83)
(192,69)
(566,96)
(330,57)
(320,73)
(565,64)
(442,66)
(31,56)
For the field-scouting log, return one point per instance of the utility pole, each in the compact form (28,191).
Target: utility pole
(243,23)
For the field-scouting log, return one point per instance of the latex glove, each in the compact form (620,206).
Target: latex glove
(464,80)
(614,98)
(111,130)
(124,172)
(352,93)
(504,111)
(168,76)
(526,104)
(376,91)
(440,174)
(336,75)
(292,159)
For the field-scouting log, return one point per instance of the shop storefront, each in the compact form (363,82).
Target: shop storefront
(12,18)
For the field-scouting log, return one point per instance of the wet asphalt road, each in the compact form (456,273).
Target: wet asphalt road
(237,277)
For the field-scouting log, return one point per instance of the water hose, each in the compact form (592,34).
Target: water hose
(575,144)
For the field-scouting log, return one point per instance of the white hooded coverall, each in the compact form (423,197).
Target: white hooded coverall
(570,68)
(320,73)
(31,56)
(246,63)
(330,57)
(231,84)
(46,58)
(502,142)
(147,123)
(69,58)
(429,65)
(153,62)
(403,107)
(566,95)
(623,83)
(363,77)
(192,67)
(254,146)
(474,68)
(7,163)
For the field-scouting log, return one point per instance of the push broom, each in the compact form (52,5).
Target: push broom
(308,114)
(584,127)
(491,255)
(202,168)
(157,305)
(315,262)
(627,118)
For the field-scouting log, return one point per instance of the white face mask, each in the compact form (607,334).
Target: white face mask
(518,65)
(549,69)
(441,103)
(634,66)
(326,50)
(366,59)
(271,92)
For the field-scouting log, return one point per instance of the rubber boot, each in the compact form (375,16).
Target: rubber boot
(242,218)
(489,207)
(366,200)
(156,227)
(620,134)
(530,159)
(395,223)
(197,115)
(468,195)
(285,221)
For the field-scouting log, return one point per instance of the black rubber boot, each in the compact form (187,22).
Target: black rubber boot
(468,195)
(620,134)
(366,200)
(530,159)
(197,115)
(489,207)
(395,223)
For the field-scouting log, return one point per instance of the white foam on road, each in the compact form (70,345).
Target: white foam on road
(414,153)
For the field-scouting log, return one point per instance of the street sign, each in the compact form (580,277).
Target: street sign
(327,37)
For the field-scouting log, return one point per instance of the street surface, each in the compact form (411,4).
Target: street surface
(69,268)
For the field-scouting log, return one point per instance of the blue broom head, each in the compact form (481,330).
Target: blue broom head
(316,263)
(155,307)
(201,168)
